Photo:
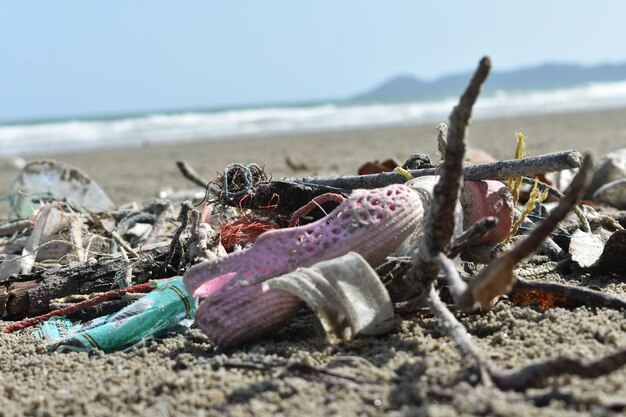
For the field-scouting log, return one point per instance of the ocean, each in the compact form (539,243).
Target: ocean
(17,139)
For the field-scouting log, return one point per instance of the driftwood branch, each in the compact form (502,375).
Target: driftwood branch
(8,229)
(30,294)
(500,170)
(439,224)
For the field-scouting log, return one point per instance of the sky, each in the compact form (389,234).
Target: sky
(77,58)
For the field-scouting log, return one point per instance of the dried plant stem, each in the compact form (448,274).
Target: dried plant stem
(537,372)
(183,217)
(283,368)
(532,375)
(442,139)
(497,278)
(162,211)
(458,333)
(189,173)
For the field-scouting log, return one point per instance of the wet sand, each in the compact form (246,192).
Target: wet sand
(414,371)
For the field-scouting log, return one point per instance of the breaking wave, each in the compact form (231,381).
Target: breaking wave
(49,137)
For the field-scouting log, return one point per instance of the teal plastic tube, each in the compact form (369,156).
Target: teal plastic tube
(167,309)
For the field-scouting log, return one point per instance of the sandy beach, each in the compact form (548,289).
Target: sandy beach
(413,371)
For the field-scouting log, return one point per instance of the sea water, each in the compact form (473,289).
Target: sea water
(167,127)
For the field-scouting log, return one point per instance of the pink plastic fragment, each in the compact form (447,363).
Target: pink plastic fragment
(370,222)
(488,198)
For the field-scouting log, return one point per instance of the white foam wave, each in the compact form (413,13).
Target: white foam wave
(21,139)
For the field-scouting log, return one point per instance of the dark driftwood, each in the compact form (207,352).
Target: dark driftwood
(283,197)
(30,294)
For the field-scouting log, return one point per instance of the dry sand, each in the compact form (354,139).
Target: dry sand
(414,371)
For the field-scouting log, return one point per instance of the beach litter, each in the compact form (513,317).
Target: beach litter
(235,306)
(345,293)
(355,250)
(57,181)
(167,309)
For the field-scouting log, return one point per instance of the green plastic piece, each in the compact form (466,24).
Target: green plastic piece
(167,309)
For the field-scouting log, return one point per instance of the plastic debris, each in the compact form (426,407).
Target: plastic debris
(488,198)
(345,293)
(57,181)
(370,222)
(167,309)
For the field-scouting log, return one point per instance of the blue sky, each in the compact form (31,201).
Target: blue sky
(80,58)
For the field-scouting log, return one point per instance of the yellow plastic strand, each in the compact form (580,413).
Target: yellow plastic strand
(406,174)
(536,196)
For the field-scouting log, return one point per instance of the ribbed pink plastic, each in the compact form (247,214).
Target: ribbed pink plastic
(370,222)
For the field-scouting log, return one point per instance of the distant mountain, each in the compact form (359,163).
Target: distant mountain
(546,76)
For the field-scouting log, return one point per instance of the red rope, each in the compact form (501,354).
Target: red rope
(139,288)
(242,230)
(316,202)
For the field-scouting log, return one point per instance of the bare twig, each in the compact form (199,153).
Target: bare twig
(458,333)
(189,173)
(442,139)
(183,217)
(302,370)
(455,284)
(162,211)
(473,233)
(439,224)
(528,376)
(537,372)
(497,277)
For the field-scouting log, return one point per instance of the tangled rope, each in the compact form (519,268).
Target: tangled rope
(249,173)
